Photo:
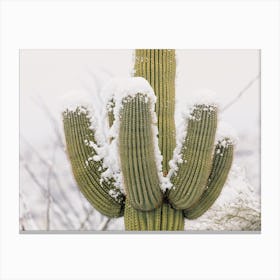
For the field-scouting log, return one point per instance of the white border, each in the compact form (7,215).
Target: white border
(190,24)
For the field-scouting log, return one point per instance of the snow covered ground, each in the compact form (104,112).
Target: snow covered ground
(48,193)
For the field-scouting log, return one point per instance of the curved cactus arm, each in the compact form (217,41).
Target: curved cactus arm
(137,155)
(164,218)
(104,197)
(191,177)
(159,68)
(221,166)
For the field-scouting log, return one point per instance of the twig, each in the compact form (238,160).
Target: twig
(83,223)
(27,215)
(241,92)
(44,192)
(104,224)
(50,171)
(48,208)
(21,223)
(86,210)
(55,176)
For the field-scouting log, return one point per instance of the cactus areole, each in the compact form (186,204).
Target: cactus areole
(159,184)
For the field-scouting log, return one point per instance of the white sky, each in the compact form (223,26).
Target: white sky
(53,73)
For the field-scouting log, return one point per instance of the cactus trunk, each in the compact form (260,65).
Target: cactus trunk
(164,218)
(158,67)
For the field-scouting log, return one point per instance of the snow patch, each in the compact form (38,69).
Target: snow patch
(203,96)
(237,208)
(76,98)
(118,88)
(110,106)
(113,194)
(81,102)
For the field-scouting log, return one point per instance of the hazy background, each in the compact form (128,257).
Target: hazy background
(49,196)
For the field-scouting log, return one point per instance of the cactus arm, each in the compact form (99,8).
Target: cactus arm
(88,172)
(221,166)
(190,179)
(159,68)
(136,146)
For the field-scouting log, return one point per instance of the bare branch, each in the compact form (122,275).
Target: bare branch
(83,203)
(26,215)
(48,164)
(50,171)
(43,191)
(241,92)
(103,226)
(83,223)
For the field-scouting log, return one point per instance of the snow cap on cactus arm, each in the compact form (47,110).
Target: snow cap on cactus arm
(208,97)
(76,98)
(87,102)
(116,90)
(119,90)
(203,96)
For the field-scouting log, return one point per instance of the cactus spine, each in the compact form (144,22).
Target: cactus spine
(201,171)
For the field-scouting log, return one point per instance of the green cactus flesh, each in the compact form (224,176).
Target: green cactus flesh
(88,172)
(191,178)
(163,218)
(223,156)
(158,67)
(201,171)
(136,146)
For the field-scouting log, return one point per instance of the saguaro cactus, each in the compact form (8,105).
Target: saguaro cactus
(150,194)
